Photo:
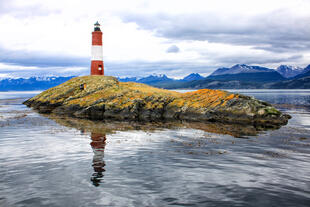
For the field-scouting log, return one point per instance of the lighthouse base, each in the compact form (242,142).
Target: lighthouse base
(96,67)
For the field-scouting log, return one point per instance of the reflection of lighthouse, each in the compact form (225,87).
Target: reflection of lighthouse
(98,144)
(96,52)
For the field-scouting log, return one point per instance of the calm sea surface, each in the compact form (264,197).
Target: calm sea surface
(55,161)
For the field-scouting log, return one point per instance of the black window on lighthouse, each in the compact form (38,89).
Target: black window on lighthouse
(97,26)
(100,67)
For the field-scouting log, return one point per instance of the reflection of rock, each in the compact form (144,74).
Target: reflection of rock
(102,127)
(234,130)
(98,144)
(107,98)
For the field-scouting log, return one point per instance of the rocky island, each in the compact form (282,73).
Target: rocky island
(104,97)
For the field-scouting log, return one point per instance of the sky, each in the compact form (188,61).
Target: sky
(143,37)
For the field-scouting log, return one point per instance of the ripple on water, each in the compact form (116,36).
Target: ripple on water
(56,161)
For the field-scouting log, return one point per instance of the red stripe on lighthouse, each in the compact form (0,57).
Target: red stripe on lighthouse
(97,38)
(97,67)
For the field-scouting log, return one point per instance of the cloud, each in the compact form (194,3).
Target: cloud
(256,60)
(25,9)
(51,37)
(173,49)
(144,68)
(17,71)
(279,30)
(40,59)
(23,63)
(27,64)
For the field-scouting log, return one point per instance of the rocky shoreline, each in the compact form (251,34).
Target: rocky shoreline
(104,97)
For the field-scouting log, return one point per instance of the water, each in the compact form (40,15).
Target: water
(288,96)
(53,161)
(17,94)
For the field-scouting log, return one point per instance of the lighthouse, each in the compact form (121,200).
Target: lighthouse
(96,67)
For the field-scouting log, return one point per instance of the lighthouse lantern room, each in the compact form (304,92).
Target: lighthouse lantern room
(97,67)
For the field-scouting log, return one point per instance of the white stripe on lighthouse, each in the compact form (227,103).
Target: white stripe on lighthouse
(96,52)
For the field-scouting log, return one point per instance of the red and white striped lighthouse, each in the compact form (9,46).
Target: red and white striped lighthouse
(96,52)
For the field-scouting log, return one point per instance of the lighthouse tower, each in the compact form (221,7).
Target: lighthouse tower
(96,52)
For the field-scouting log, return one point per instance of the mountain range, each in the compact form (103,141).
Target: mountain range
(161,78)
(33,83)
(239,76)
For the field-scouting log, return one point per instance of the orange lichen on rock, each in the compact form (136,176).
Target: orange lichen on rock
(205,98)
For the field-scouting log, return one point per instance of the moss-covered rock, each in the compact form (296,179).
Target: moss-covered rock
(104,97)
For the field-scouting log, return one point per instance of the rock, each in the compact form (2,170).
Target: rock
(261,112)
(105,97)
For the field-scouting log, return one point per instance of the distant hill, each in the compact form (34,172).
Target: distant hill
(307,69)
(217,84)
(307,74)
(250,77)
(33,83)
(299,83)
(246,73)
(132,79)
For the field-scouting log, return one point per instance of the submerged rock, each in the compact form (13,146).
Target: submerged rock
(104,97)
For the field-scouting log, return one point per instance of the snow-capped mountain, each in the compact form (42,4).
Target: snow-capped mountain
(33,83)
(154,78)
(306,69)
(305,73)
(289,71)
(151,79)
(242,72)
(240,68)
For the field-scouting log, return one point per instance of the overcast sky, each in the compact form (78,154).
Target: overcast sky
(142,37)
